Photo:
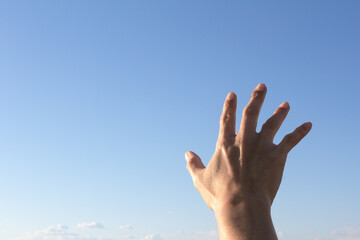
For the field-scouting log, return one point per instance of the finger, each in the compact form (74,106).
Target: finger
(290,140)
(272,125)
(194,164)
(228,117)
(251,112)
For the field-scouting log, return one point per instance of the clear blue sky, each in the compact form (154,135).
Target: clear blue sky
(100,100)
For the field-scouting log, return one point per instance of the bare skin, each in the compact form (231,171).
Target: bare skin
(243,176)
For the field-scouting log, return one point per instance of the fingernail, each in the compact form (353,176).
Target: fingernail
(231,96)
(284,105)
(307,125)
(260,87)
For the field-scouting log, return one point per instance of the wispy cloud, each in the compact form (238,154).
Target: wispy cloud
(91,225)
(125,227)
(55,232)
(63,232)
(346,233)
(152,236)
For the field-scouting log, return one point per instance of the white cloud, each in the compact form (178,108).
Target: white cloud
(55,232)
(93,225)
(125,227)
(152,236)
(280,234)
(62,232)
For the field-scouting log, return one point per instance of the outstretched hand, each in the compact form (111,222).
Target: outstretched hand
(246,168)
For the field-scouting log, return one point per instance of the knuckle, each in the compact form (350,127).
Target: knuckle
(222,144)
(275,155)
(289,137)
(257,94)
(224,118)
(250,110)
(227,103)
(303,130)
(233,152)
(190,163)
(281,111)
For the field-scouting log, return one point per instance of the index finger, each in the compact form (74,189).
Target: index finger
(228,118)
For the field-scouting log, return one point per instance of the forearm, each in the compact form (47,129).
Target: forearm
(246,221)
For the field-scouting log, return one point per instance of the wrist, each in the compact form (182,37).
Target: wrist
(244,205)
(250,219)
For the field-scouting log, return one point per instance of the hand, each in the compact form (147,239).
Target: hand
(246,167)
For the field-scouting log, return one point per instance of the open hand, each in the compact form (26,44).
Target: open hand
(246,166)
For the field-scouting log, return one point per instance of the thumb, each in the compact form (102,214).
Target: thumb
(194,163)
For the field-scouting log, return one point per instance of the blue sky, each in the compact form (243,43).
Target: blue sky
(100,100)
